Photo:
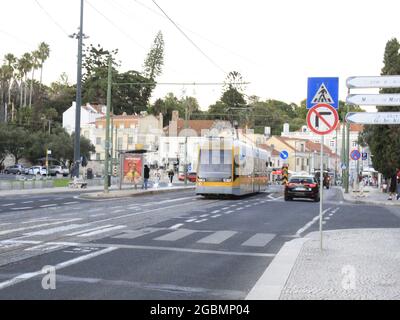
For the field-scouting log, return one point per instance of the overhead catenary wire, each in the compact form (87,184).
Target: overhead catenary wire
(51,18)
(189,39)
(115,25)
(177,83)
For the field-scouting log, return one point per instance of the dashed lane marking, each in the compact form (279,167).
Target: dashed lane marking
(309,224)
(48,205)
(200,221)
(95,233)
(23,208)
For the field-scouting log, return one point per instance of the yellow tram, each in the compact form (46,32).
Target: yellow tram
(227,166)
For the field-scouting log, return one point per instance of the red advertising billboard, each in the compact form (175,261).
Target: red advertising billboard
(133,168)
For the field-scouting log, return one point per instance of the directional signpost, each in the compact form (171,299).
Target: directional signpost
(373,82)
(322,118)
(373,117)
(387,99)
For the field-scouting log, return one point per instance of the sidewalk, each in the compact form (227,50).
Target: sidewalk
(370,195)
(355,264)
(88,190)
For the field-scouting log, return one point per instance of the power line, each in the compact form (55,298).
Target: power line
(188,38)
(176,83)
(51,18)
(115,26)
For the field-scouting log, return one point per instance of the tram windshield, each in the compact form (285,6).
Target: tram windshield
(215,164)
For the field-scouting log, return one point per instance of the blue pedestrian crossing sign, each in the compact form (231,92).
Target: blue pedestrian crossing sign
(284,155)
(323,90)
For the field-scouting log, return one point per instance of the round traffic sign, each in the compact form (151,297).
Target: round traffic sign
(322,119)
(355,154)
(284,155)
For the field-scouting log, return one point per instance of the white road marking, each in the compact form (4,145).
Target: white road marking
(177,226)
(25,202)
(48,205)
(259,240)
(45,247)
(204,215)
(216,211)
(191,220)
(228,212)
(216,216)
(8,204)
(89,230)
(44,200)
(225,208)
(217,237)
(120,210)
(23,208)
(72,202)
(248,206)
(132,234)
(238,209)
(326,218)
(94,233)
(309,224)
(3,232)
(176,235)
(200,221)
(54,230)
(30,275)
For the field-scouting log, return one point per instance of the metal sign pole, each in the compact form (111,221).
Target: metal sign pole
(321,190)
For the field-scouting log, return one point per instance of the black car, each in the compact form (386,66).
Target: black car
(302,187)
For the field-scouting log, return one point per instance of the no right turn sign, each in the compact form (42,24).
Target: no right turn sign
(322,119)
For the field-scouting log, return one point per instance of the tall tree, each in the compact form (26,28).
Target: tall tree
(383,140)
(35,56)
(44,54)
(153,64)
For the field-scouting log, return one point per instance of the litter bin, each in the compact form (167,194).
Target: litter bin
(89,173)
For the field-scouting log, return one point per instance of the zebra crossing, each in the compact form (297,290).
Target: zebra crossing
(191,236)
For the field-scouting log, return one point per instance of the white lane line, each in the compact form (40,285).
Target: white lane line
(3,232)
(248,206)
(88,230)
(132,234)
(44,200)
(216,211)
(216,216)
(26,202)
(30,275)
(217,237)
(191,220)
(309,224)
(225,208)
(331,214)
(120,210)
(176,226)
(259,240)
(72,202)
(176,235)
(94,233)
(116,207)
(8,204)
(97,215)
(200,221)
(54,230)
(48,205)
(326,218)
(45,247)
(204,215)
(174,200)
(240,208)
(228,212)
(23,208)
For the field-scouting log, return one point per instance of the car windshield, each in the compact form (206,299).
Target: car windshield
(301,180)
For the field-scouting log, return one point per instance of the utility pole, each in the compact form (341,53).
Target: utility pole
(107,142)
(347,153)
(186,141)
(77,142)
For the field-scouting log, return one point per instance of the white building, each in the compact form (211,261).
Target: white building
(89,114)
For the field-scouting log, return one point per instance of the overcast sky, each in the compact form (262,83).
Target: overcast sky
(276,45)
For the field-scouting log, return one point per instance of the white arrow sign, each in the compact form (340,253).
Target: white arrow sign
(373,117)
(373,82)
(374,99)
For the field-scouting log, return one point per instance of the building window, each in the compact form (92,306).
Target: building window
(98,158)
(120,141)
(130,140)
(98,141)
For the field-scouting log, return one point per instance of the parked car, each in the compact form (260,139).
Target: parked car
(37,170)
(15,169)
(302,187)
(192,176)
(57,169)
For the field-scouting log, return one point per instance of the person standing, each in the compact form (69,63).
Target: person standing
(398,184)
(393,185)
(146,176)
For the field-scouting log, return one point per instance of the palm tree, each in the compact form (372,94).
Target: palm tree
(34,65)
(20,78)
(26,63)
(10,60)
(44,53)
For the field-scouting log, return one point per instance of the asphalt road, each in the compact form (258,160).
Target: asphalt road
(168,246)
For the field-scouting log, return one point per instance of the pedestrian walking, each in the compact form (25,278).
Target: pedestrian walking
(393,185)
(170,175)
(157,177)
(398,184)
(146,176)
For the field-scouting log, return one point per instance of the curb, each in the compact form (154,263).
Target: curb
(273,280)
(102,195)
(373,202)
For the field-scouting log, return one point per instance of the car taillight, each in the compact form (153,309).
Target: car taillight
(312,185)
(291,184)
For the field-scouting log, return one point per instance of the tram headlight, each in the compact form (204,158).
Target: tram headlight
(201,180)
(227,180)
